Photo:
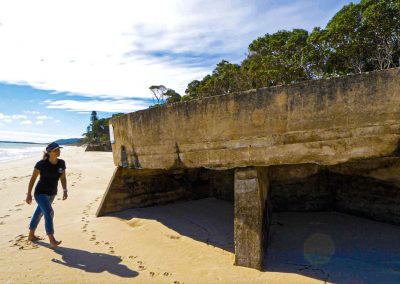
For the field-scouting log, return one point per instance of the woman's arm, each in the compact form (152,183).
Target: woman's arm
(35,174)
(63,179)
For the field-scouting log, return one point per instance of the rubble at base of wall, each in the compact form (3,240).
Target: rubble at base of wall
(99,147)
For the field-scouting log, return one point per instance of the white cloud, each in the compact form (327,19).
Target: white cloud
(11,118)
(5,118)
(31,112)
(43,117)
(118,49)
(57,121)
(99,105)
(18,116)
(25,122)
(39,122)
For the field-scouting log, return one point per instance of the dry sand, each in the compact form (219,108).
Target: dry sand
(184,242)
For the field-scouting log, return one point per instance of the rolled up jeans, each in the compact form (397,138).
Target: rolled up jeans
(43,209)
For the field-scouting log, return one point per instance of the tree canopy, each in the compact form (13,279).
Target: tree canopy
(360,37)
(98,129)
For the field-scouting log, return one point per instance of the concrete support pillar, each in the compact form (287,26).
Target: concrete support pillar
(251,193)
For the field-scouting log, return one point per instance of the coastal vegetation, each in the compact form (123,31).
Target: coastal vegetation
(359,38)
(98,129)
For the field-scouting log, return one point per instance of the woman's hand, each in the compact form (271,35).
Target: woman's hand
(28,198)
(65,195)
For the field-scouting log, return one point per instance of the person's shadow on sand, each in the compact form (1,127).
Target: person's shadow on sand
(92,262)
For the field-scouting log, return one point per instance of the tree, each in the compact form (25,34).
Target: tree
(192,91)
(164,95)
(158,93)
(93,117)
(317,54)
(276,59)
(98,130)
(382,25)
(172,96)
(347,39)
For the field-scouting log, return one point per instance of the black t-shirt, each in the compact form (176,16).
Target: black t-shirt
(49,176)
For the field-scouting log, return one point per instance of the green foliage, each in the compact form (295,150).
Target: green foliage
(276,59)
(98,130)
(360,37)
(163,95)
(172,96)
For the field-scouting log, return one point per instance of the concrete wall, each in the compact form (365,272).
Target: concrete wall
(324,122)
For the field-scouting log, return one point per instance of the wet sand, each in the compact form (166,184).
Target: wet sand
(183,242)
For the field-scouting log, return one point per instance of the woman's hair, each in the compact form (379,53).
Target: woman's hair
(45,155)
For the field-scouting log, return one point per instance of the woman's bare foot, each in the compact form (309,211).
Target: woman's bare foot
(34,238)
(54,244)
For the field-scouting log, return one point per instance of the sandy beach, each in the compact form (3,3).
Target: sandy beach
(183,242)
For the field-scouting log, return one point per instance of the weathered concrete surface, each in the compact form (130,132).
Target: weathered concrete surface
(317,145)
(324,122)
(251,191)
(368,188)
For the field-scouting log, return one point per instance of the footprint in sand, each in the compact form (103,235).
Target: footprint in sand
(18,205)
(2,223)
(22,243)
(167,274)
(174,237)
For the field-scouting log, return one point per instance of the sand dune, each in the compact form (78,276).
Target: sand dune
(183,242)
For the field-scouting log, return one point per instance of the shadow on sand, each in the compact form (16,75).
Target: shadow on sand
(327,246)
(334,247)
(91,261)
(206,220)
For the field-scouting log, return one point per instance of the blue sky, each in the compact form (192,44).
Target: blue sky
(59,60)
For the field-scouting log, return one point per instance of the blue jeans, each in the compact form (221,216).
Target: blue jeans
(44,209)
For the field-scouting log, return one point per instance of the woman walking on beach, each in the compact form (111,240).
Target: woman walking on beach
(50,169)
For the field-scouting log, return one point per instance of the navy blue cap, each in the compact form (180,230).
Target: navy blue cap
(52,146)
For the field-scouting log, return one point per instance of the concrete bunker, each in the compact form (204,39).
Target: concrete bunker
(312,146)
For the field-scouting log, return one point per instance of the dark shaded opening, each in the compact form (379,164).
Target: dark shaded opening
(124,157)
(310,234)
(197,203)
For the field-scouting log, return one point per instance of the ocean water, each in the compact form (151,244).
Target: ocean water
(14,151)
